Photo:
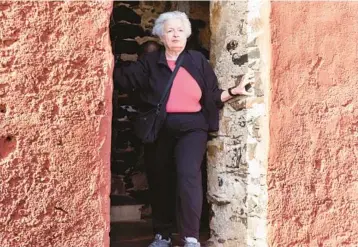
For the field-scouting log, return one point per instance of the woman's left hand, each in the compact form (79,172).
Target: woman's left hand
(241,88)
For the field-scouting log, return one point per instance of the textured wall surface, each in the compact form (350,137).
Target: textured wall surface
(237,155)
(313,176)
(55,119)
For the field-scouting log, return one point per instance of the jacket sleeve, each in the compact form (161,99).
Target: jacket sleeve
(212,83)
(130,77)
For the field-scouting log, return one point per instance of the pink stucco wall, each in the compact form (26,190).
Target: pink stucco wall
(55,123)
(312,174)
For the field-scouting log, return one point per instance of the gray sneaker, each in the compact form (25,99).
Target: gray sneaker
(191,244)
(159,242)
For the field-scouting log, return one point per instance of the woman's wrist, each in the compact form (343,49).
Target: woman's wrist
(231,93)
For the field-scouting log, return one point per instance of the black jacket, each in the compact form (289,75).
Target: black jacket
(150,74)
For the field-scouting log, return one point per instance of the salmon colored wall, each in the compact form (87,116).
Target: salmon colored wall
(312,174)
(55,123)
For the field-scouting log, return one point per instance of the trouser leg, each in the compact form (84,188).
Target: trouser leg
(189,152)
(158,158)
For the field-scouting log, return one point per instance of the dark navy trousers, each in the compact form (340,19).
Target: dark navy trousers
(174,174)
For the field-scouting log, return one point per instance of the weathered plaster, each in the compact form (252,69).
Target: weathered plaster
(55,120)
(312,175)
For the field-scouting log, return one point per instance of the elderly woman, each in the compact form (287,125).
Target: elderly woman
(192,111)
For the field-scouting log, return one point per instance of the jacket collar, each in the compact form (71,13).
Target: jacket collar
(187,64)
(163,60)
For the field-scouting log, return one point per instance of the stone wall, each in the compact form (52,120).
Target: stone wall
(55,120)
(237,154)
(131,26)
(312,175)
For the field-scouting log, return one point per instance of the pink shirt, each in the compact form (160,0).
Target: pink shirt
(185,93)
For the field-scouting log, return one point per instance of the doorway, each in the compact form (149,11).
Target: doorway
(130,28)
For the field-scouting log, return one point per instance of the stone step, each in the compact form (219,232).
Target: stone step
(125,213)
(139,234)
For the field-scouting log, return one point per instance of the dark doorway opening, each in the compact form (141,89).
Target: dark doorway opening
(130,27)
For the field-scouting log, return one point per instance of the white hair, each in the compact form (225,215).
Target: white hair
(158,28)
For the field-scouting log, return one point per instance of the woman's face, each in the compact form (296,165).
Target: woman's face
(174,37)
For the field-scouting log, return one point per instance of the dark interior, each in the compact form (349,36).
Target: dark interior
(130,27)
